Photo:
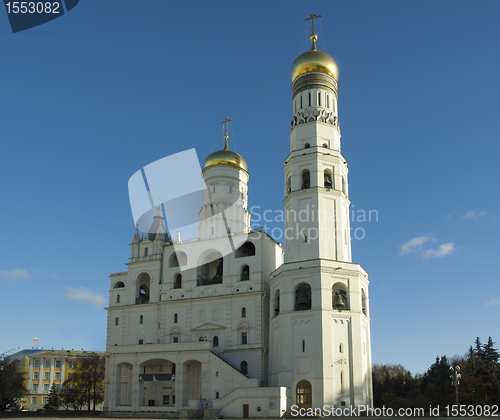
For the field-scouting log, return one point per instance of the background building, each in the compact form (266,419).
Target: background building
(46,368)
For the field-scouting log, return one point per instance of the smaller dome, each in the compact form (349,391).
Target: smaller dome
(226,157)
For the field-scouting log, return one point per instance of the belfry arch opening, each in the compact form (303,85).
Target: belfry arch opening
(143,288)
(303,297)
(246,250)
(328,179)
(340,296)
(210,269)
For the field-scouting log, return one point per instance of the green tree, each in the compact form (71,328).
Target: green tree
(11,383)
(88,379)
(54,401)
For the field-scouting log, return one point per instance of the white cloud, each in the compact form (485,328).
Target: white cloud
(493,302)
(56,275)
(414,245)
(86,296)
(442,251)
(14,274)
(473,215)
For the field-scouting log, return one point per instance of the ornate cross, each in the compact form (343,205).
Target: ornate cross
(313,16)
(225,122)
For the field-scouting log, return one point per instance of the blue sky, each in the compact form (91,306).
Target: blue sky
(90,98)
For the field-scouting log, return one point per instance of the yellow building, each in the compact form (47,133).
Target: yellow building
(44,368)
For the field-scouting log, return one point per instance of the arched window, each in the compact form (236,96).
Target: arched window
(177,281)
(201,339)
(289,185)
(119,285)
(216,341)
(176,318)
(363,301)
(303,297)
(339,297)
(116,321)
(328,179)
(243,312)
(307,146)
(306,179)
(245,273)
(244,367)
(145,252)
(325,145)
(117,298)
(141,319)
(245,250)
(277,302)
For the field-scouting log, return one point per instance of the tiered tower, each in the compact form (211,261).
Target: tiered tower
(320,326)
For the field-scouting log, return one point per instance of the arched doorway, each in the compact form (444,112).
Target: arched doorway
(304,394)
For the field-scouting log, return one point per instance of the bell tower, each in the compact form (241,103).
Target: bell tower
(316,195)
(319,310)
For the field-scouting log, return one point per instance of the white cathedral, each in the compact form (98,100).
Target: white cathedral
(193,329)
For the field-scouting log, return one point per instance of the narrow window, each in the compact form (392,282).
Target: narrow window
(306,180)
(341,348)
(244,338)
(243,312)
(244,367)
(116,321)
(216,395)
(319,98)
(178,281)
(303,345)
(309,98)
(328,101)
(300,101)
(230,189)
(146,252)
(141,341)
(117,298)
(216,341)
(175,318)
(141,319)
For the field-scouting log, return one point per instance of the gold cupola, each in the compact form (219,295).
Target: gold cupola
(226,156)
(314,61)
(314,67)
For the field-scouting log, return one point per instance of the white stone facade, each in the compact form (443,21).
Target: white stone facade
(231,322)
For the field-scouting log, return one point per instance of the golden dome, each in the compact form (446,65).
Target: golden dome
(226,157)
(314,61)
